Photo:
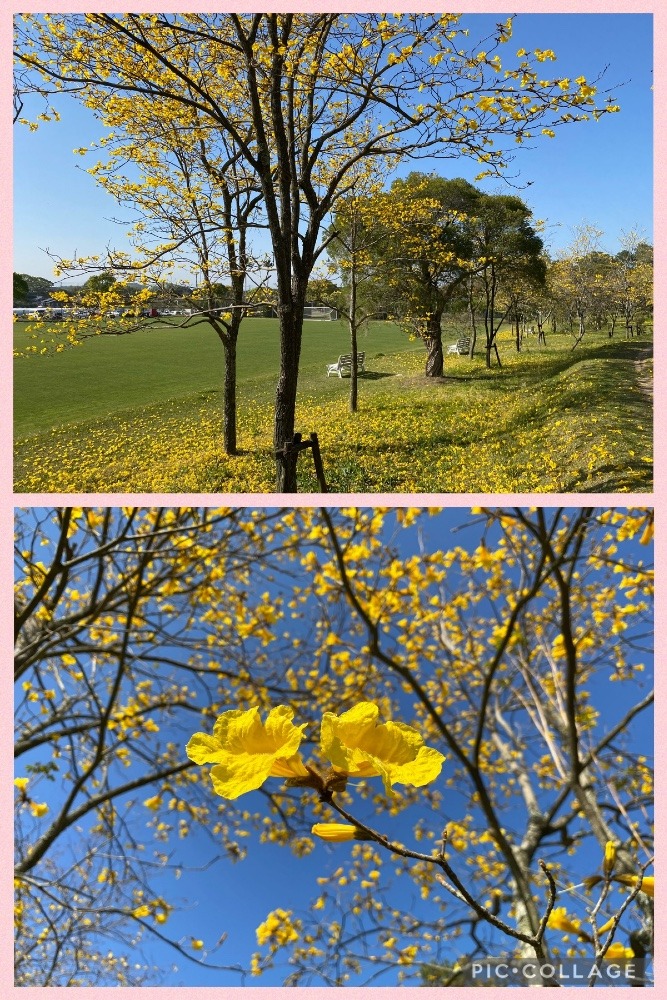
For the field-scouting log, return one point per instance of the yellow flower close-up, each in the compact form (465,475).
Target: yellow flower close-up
(617,952)
(358,746)
(247,751)
(560,921)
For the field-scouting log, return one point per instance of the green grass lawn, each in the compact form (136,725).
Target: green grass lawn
(106,375)
(142,413)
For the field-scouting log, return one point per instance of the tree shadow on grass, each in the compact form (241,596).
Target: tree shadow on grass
(634,477)
(374,376)
(368,376)
(522,373)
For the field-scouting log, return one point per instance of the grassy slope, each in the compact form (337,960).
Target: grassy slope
(110,374)
(551,420)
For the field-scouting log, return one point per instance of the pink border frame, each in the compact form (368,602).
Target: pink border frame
(8,499)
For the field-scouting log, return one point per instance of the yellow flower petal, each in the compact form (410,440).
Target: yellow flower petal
(247,751)
(203,749)
(290,767)
(617,952)
(358,746)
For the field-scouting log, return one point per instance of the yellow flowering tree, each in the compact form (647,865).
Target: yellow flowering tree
(579,280)
(452,246)
(634,288)
(419,721)
(428,252)
(192,214)
(589,288)
(304,97)
(353,245)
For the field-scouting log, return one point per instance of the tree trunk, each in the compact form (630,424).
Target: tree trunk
(229,397)
(228,335)
(353,338)
(291,323)
(489,310)
(433,340)
(353,369)
(582,330)
(473,325)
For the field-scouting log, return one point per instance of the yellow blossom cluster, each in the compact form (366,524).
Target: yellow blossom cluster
(278,929)
(247,751)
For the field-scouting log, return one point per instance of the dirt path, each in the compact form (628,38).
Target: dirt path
(645,378)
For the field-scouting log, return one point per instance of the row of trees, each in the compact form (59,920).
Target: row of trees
(590,288)
(520,649)
(430,246)
(218,122)
(425,248)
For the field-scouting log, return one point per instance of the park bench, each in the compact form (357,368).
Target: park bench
(462,346)
(344,365)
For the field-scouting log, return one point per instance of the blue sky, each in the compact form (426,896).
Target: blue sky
(594,172)
(235,898)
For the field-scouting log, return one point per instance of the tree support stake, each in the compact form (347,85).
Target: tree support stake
(289,454)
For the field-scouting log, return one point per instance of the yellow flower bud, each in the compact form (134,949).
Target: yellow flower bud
(560,921)
(609,857)
(153,803)
(338,832)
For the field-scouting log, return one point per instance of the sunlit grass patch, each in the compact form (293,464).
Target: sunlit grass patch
(549,421)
